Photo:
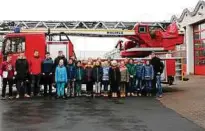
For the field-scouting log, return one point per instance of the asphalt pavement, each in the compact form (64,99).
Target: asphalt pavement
(85,114)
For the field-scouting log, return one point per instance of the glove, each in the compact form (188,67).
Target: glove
(43,73)
(15,73)
(50,73)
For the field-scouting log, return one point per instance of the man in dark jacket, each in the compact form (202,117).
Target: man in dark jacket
(47,72)
(158,70)
(60,56)
(21,72)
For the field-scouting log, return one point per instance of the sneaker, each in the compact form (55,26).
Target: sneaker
(10,97)
(140,94)
(38,94)
(17,96)
(27,96)
(3,98)
(132,94)
(128,94)
(160,96)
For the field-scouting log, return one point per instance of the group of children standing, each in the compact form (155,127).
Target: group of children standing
(124,79)
(118,79)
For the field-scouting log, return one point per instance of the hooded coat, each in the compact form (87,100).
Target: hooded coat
(97,73)
(47,66)
(139,71)
(22,68)
(7,66)
(71,71)
(61,74)
(115,77)
(124,74)
(56,61)
(131,69)
(79,74)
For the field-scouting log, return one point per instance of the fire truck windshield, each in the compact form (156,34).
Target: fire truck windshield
(13,45)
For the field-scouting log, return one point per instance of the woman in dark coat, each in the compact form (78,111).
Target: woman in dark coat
(115,77)
(89,78)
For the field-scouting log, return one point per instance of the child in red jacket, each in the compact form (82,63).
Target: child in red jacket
(8,76)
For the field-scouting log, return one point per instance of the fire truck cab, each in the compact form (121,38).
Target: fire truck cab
(15,43)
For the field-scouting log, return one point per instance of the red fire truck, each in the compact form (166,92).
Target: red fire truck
(150,38)
(15,43)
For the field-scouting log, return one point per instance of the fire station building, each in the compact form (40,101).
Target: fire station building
(193,25)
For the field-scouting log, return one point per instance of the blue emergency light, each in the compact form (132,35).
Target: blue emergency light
(17,30)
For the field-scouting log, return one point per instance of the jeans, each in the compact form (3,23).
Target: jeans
(60,88)
(71,88)
(148,86)
(78,87)
(8,81)
(139,85)
(123,86)
(21,84)
(158,85)
(35,84)
(132,85)
(47,83)
(97,87)
(105,85)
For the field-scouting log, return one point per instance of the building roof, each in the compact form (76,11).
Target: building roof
(200,4)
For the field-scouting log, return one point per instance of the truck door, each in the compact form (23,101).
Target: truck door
(54,46)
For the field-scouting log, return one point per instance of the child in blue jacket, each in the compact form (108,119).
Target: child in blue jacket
(148,76)
(61,79)
(71,72)
(139,75)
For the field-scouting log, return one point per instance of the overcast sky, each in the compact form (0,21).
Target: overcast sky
(93,10)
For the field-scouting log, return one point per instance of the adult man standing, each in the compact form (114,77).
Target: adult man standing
(35,71)
(47,72)
(22,72)
(60,56)
(158,70)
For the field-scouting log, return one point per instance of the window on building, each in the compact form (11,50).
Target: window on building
(197,36)
(196,28)
(199,44)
